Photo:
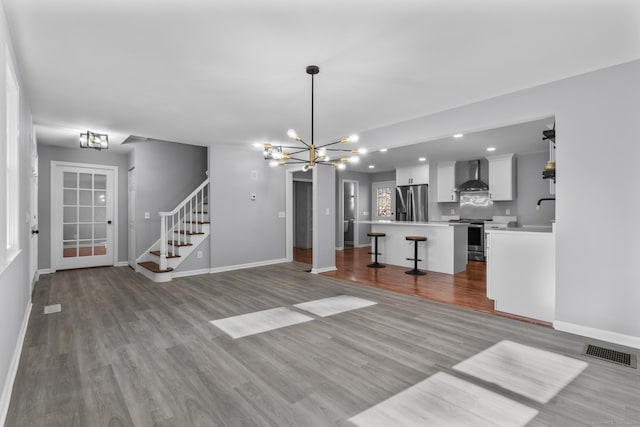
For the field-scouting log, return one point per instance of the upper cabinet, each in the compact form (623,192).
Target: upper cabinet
(447,182)
(502,177)
(412,175)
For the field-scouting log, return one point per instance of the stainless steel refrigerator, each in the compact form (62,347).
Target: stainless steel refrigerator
(411,203)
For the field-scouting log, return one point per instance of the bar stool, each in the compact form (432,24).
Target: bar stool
(375,252)
(415,240)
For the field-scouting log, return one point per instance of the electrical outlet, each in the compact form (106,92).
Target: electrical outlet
(199,254)
(365,213)
(327,211)
(453,211)
(147,215)
(507,212)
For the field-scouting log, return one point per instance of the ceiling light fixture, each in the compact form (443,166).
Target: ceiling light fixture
(372,166)
(491,148)
(458,135)
(383,150)
(422,159)
(99,141)
(311,154)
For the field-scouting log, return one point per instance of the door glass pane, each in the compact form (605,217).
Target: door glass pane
(86,248)
(70,215)
(100,214)
(85,214)
(100,182)
(69,231)
(69,249)
(100,231)
(70,197)
(85,231)
(100,198)
(85,180)
(100,247)
(70,180)
(85,197)
(384,202)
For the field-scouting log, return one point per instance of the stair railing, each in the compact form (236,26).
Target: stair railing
(180,221)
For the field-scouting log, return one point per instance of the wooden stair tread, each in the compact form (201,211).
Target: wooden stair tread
(179,244)
(157,253)
(154,267)
(197,222)
(189,233)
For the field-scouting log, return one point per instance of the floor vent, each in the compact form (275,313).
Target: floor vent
(624,359)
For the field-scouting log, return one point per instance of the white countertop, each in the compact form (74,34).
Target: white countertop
(522,230)
(415,224)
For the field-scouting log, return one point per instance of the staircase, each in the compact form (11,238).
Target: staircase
(181,231)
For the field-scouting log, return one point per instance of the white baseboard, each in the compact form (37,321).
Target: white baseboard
(323,269)
(339,248)
(364,245)
(44,271)
(248,265)
(5,399)
(121,264)
(599,334)
(188,273)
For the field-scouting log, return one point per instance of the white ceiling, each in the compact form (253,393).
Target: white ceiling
(233,71)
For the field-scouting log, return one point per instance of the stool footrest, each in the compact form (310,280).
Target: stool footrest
(374,253)
(413,259)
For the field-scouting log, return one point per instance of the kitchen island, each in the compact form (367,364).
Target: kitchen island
(445,250)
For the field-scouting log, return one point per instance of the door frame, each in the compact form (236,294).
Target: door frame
(33,211)
(356,240)
(288,215)
(131,215)
(55,220)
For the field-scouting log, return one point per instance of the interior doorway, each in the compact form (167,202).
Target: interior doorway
(302,217)
(349,214)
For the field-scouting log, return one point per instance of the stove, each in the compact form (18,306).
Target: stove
(475,237)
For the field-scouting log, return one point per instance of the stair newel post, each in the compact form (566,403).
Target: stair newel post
(163,242)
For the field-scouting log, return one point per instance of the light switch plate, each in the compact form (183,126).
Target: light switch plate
(365,213)
(281,214)
(327,211)
(147,215)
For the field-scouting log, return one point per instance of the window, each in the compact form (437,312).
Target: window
(12,200)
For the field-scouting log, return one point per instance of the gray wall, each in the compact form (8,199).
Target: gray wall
(47,153)
(364,202)
(324,218)
(597,129)
(166,173)
(383,176)
(15,279)
(302,214)
(245,231)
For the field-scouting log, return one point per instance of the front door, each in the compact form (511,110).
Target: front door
(83,215)
(384,201)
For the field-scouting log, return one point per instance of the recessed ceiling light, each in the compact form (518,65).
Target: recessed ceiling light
(372,166)
(491,148)
(458,135)
(383,150)
(258,145)
(422,159)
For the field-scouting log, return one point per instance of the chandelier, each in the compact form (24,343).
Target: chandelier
(310,154)
(99,141)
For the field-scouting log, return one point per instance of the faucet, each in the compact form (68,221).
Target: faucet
(540,201)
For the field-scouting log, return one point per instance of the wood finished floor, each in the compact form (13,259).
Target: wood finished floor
(126,351)
(467,289)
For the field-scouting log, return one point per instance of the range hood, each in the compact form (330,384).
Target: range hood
(474,183)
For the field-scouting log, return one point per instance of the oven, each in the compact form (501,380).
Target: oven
(476,241)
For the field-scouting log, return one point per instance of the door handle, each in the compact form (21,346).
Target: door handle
(109,222)
(34,231)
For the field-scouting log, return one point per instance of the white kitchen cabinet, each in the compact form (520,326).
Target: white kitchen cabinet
(412,175)
(446,182)
(521,272)
(502,177)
